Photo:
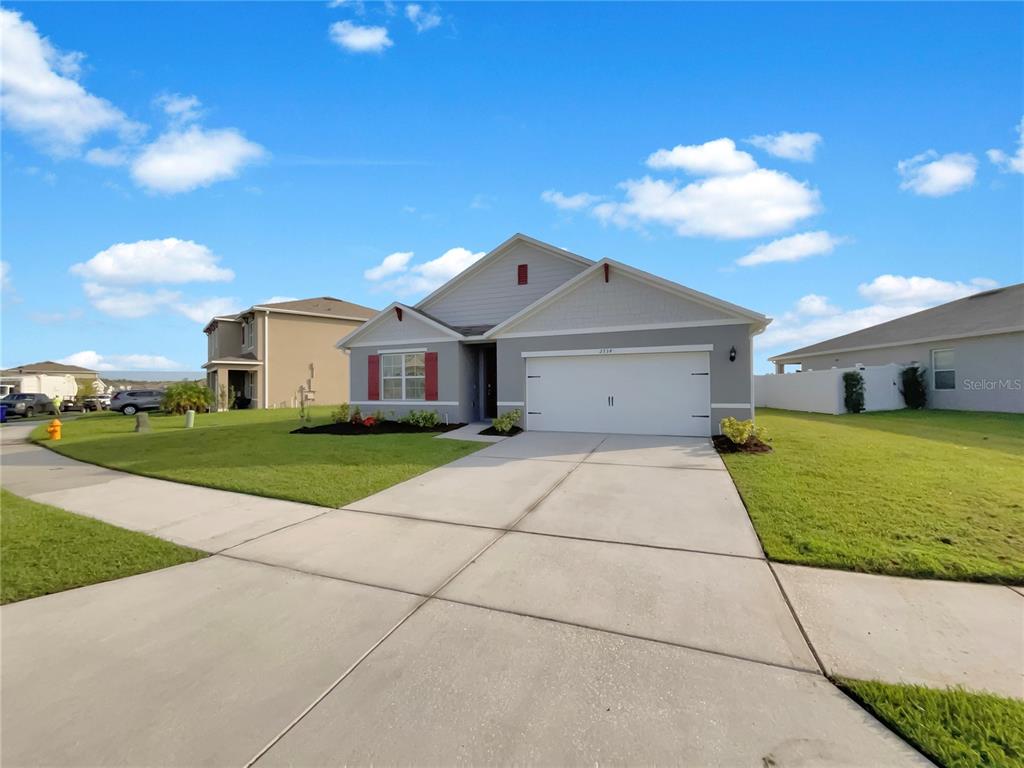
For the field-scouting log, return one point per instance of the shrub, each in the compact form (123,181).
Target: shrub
(506,421)
(422,418)
(742,432)
(853,391)
(914,389)
(187,396)
(340,414)
(356,415)
(370,421)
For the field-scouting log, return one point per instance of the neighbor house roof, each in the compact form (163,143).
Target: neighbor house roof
(997,311)
(320,306)
(47,366)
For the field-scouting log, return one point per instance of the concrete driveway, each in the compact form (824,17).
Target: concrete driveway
(553,598)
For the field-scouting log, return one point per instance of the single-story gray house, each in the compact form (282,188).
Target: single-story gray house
(574,345)
(972,348)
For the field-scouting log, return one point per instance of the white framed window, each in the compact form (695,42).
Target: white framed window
(943,369)
(248,339)
(402,376)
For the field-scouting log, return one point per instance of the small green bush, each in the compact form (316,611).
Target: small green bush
(341,414)
(187,396)
(742,432)
(853,391)
(915,388)
(422,418)
(506,421)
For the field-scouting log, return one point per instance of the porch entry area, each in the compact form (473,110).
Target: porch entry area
(234,387)
(484,369)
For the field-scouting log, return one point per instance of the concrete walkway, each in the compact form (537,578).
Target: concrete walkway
(558,599)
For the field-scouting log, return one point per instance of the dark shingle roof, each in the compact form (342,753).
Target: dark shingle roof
(987,312)
(47,366)
(325,305)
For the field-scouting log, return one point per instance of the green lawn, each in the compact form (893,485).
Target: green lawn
(253,452)
(937,494)
(954,728)
(44,549)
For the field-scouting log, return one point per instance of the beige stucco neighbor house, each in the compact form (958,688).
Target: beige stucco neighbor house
(269,354)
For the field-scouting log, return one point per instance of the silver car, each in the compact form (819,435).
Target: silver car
(131,401)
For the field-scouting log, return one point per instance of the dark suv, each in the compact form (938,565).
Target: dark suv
(131,401)
(28,404)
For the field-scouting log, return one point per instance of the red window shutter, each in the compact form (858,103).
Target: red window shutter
(523,273)
(430,376)
(373,377)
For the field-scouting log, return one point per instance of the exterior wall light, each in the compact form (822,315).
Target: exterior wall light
(732,355)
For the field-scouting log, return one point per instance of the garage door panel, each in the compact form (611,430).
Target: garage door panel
(648,393)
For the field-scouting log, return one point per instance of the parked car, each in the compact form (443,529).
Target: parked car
(131,401)
(97,403)
(28,404)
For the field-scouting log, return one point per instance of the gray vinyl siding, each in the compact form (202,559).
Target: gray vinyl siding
(989,370)
(451,362)
(493,294)
(730,381)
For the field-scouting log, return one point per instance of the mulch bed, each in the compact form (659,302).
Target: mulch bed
(380,428)
(491,431)
(724,445)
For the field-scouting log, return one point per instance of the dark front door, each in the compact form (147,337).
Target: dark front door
(490,382)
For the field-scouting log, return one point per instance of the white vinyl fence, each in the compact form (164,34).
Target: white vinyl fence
(822,391)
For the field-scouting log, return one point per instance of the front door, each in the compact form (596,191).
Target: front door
(490,382)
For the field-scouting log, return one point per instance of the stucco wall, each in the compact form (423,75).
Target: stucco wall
(224,340)
(730,381)
(451,381)
(297,342)
(989,370)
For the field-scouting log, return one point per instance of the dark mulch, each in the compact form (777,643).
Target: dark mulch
(495,433)
(724,445)
(380,428)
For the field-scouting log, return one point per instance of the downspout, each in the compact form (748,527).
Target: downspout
(266,361)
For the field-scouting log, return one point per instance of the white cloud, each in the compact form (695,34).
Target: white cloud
(41,97)
(183,160)
(278,299)
(575,202)
(391,265)
(421,278)
(1010,163)
(933,176)
(792,248)
(180,109)
(6,284)
(120,302)
(791,146)
(712,158)
(201,311)
(359,39)
(154,261)
(813,318)
(109,158)
(761,202)
(94,360)
(897,290)
(422,19)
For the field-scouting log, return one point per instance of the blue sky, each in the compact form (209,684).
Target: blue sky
(829,165)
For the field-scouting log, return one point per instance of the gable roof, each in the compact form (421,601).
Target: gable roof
(736,311)
(47,366)
(495,254)
(320,306)
(997,311)
(433,322)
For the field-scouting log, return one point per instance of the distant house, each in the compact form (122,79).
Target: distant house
(972,348)
(50,378)
(268,355)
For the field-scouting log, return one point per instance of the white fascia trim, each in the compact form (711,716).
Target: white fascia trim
(794,357)
(730,405)
(510,403)
(233,362)
(346,341)
(617,328)
(405,402)
(621,351)
(310,314)
(403,349)
(435,340)
(494,253)
(749,316)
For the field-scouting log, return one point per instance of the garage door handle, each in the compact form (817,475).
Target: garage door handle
(533,377)
(699,416)
(700,374)
(535,413)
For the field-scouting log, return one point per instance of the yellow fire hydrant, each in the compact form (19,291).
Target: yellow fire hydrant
(54,429)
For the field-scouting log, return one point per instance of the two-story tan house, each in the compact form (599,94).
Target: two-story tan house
(268,355)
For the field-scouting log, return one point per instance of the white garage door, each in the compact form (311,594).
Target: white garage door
(663,393)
